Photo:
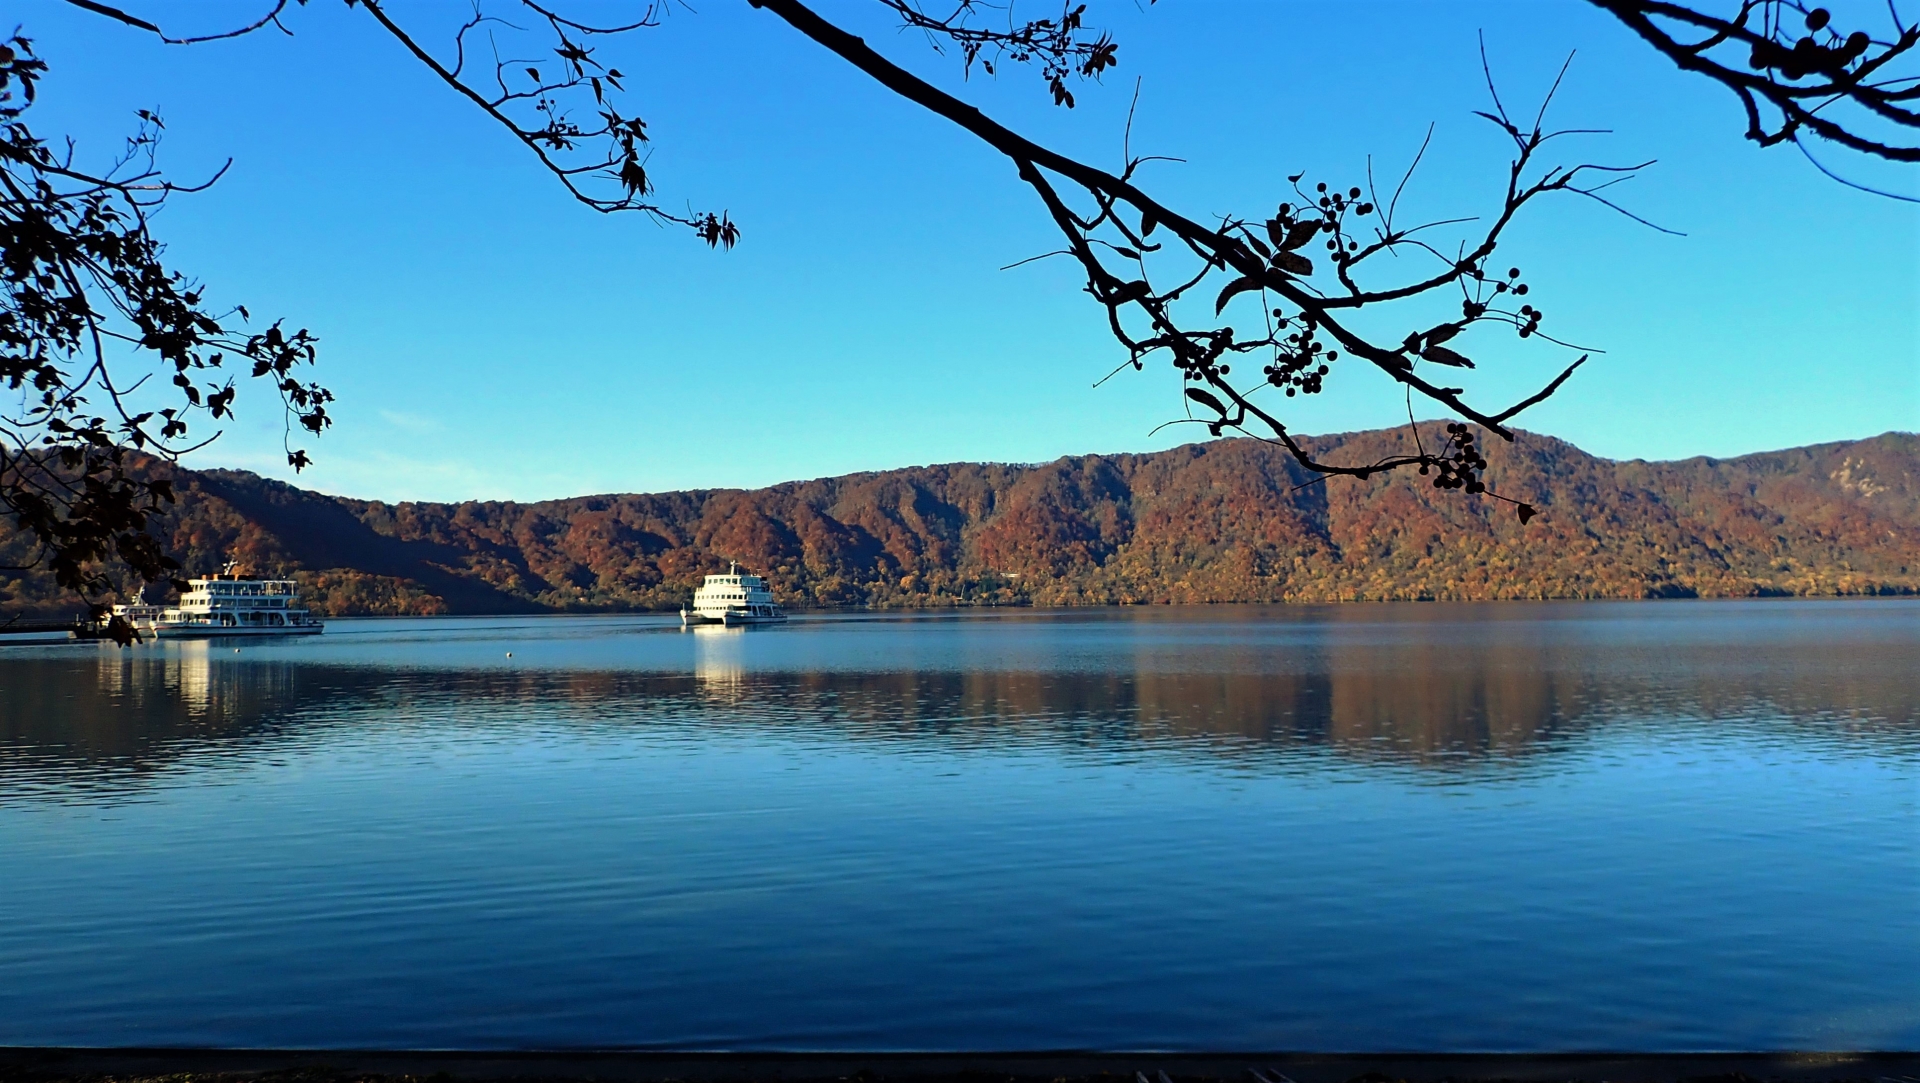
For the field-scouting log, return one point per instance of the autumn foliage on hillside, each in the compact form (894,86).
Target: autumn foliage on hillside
(1226,521)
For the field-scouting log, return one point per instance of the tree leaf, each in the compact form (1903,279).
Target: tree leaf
(1234,288)
(1293,263)
(1440,355)
(1442,333)
(1525,511)
(1300,234)
(1206,398)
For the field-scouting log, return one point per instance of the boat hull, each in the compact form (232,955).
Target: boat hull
(688,618)
(174,631)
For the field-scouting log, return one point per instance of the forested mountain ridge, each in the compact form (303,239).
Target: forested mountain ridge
(1225,521)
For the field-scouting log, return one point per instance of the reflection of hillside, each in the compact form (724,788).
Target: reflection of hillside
(1420,703)
(1437,696)
(1426,699)
(1450,714)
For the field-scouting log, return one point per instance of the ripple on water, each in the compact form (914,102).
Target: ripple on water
(1663,826)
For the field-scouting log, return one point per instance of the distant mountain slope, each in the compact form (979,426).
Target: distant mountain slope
(1227,521)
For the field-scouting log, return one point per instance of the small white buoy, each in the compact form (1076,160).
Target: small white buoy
(236,650)
(509,654)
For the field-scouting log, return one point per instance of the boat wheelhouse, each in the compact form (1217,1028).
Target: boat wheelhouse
(733,599)
(227,603)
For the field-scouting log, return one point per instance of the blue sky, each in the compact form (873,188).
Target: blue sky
(489,338)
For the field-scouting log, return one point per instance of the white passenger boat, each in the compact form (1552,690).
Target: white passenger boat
(228,603)
(732,599)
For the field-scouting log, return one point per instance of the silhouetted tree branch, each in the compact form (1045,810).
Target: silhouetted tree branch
(1794,71)
(88,315)
(1310,265)
(1302,326)
(271,18)
(539,109)
(1063,45)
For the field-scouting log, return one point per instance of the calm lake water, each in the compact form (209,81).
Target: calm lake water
(1650,826)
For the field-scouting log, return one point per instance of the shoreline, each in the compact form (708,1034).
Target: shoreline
(20,1064)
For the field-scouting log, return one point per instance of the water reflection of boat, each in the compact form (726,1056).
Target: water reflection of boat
(227,603)
(732,599)
(719,662)
(193,682)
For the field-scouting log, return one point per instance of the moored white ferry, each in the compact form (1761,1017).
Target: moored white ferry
(733,599)
(227,603)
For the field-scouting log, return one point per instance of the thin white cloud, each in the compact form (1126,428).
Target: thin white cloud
(414,423)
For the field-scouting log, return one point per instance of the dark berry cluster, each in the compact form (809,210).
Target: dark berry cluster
(1293,373)
(1300,364)
(1338,203)
(1826,54)
(1460,466)
(1481,300)
(1333,208)
(1197,355)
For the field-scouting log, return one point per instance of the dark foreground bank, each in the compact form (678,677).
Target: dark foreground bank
(341,1066)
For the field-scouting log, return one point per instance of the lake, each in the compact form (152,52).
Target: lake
(1425,827)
